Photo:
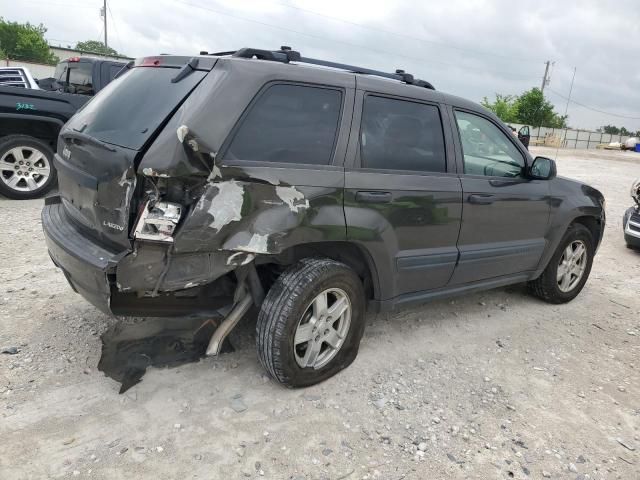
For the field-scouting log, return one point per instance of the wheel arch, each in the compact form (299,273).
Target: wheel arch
(42,128)
(349,253)
(594,224)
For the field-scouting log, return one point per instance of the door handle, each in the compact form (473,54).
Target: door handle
(482,199)
(373,197)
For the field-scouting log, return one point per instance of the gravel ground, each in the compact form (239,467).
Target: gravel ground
(493,385)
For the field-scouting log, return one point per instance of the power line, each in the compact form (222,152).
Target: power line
(320,37)
(404,35)
(592,108)
(113,21)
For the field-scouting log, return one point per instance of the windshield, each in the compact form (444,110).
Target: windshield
(129,110)
(80,78)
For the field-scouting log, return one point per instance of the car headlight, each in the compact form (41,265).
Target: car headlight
(635,191)
(158,221)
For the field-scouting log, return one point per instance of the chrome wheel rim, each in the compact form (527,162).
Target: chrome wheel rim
(573,263)
(24,169)
(322,329)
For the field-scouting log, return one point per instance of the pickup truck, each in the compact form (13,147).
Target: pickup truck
(17,77)
(31,119)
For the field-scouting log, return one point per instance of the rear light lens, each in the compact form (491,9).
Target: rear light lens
(158,222)
(150,62)
(73,59)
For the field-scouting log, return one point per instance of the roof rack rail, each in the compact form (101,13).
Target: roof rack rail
(286,55)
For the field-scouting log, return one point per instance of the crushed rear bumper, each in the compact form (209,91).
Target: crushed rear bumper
(85,264)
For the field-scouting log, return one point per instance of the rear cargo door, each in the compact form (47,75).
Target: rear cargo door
(99,146)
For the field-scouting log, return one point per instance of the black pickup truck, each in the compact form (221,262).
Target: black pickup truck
(31,119)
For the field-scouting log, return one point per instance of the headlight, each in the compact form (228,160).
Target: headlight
(635,191)
(158,222)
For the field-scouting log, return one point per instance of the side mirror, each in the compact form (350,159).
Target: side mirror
(542,168)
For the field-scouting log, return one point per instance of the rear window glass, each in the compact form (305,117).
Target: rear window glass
(132,107)
(79,76)
(401,135)
(290,124)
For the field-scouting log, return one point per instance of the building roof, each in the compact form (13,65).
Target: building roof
(86,52)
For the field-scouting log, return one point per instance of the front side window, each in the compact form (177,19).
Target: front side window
(487,150)
(289,124)
(401,135)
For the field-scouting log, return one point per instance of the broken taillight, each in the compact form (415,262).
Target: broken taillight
(158,222)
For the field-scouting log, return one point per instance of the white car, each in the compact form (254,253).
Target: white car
(17,77)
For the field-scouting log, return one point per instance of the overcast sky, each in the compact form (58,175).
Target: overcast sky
(471,48)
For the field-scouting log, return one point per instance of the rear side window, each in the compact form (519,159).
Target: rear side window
(129,110)
(401,135)
(289,124)
(79,76)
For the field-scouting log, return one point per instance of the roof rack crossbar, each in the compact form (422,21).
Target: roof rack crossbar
(286,55)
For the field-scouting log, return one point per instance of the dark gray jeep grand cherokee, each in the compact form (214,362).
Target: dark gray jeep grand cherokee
(310,189)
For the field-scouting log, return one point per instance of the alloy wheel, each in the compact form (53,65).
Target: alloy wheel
(572,266)
(24,169)
(322,329)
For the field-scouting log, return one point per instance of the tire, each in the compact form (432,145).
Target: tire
(548,287)
(30,184)
(290,303)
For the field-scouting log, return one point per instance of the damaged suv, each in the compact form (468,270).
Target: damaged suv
(309,189)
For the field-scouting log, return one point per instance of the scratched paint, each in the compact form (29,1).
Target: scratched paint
(182,132)
(257,244)
(293,198)
(226,206)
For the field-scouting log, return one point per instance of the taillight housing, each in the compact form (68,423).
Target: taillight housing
(158,221)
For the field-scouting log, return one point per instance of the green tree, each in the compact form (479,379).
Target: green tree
(23,41)
(534,109)
(530,108)
(612,129)
(505,107)
(95,46)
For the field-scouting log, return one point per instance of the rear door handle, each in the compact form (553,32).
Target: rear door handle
(482,199)
(373,197)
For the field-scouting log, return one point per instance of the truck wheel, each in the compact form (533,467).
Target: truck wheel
(26,167)
(311,322)
(568,269)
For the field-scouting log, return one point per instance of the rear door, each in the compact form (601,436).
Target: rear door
(505,215)
(402,195)
(293,136)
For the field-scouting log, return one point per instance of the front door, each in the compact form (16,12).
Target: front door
(505,215)
(524,136)
(402,194)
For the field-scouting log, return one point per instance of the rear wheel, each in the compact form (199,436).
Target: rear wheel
(568,269)
(311,322)
(26,167)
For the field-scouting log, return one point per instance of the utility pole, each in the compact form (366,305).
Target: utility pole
(566,111)
(104,15)
(545,78)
